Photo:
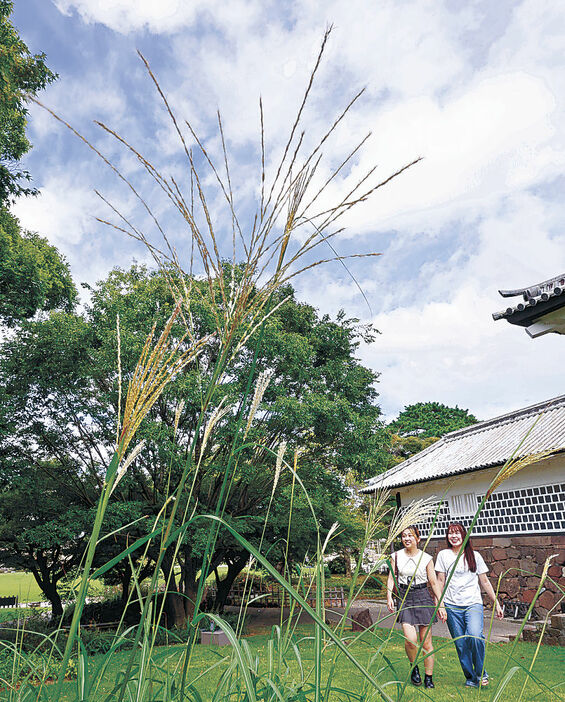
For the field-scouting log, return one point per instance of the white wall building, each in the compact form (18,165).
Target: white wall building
(523,521)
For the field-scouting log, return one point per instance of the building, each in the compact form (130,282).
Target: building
(523,521)
(542,310)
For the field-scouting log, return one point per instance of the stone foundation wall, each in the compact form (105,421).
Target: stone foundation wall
(519,560)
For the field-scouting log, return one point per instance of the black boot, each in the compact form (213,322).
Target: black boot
(415,678)
(428,682)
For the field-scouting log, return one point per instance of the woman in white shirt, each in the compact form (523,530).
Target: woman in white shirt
(464,603)
(413,571)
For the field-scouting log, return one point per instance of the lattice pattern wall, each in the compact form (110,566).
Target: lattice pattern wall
(522,511)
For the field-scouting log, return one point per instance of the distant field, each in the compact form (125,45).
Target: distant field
(21,584)
(24,586)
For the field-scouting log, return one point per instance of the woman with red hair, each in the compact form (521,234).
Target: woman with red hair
(465,573)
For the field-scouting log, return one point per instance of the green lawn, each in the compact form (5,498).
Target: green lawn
(24,586)
(548,668)
(21,584)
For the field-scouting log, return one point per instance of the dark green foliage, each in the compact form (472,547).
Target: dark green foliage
(21,74)
(430,419)
(33,274)
(58,399)
(105,612)
(338,566)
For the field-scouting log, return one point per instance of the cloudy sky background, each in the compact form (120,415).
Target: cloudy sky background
(476,88)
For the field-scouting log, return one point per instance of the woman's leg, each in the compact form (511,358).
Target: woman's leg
(427,647)
(474,623)
(456,624)
(410,641)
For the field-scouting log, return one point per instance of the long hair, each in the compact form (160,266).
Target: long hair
(469,552)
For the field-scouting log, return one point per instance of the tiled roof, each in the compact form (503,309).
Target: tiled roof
(533,429)
(539,299)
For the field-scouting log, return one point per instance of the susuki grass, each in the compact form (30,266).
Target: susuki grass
(292,221)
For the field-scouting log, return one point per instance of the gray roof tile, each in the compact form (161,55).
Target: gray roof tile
(537,428)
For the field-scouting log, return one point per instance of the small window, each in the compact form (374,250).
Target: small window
(463,505)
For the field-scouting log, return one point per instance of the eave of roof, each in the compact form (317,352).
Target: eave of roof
(539,300)
(530,430)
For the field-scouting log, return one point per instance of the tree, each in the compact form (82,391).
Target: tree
(21,74)
(61,385)
(419,426)
(33,274)
(430,419)
(42,529)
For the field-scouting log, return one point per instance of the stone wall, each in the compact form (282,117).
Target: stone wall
(553,633)
(519,560)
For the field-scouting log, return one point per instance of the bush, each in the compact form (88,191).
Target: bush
(34,666)
(338,566)
(105,612)
(373,582)
(31,634)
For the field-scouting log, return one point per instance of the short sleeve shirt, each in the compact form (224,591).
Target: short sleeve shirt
(409,567)
(463,588)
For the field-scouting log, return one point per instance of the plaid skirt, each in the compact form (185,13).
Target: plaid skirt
(418,606)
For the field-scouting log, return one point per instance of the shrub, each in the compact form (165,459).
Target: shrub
(34,666)
(105,612)
(338,566)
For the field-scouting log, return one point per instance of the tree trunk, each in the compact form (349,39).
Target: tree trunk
(174,601)
(54,598)
(41,573)
(125,580)
(224,586)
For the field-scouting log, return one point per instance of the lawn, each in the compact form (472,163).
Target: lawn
(21,584)
(210,662)
(24,586)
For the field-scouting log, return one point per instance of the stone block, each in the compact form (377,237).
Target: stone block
(362,619)
(498,554)
(555,571)
(527,566)
(544,540)
(214,638)
(510,586)
(546,600)
(481,542)
(558,622)
(528,595)
(515,553)
(501,541)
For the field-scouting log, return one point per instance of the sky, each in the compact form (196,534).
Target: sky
(474,88)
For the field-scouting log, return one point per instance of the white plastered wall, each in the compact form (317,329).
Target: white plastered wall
(547,472)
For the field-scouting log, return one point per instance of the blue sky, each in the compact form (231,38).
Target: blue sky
(476,88)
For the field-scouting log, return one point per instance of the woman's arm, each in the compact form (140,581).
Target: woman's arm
(433,581)
(487,587)
(389,588)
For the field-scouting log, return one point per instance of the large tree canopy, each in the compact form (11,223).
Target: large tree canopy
(21,74)
(33,274)
(61,393)
(420,425)
(430,419)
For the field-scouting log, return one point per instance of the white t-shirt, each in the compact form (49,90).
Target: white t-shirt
(463,588)
(407,565)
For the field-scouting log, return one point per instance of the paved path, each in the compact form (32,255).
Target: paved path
(268,616)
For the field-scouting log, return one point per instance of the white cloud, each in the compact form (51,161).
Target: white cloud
(164,16)
(454,353)
(488,115)
(443,344)
(65,221)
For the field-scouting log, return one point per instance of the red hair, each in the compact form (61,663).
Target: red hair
(469,552)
